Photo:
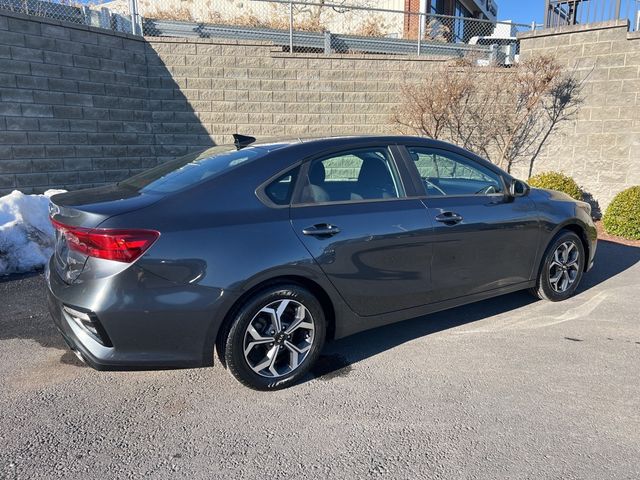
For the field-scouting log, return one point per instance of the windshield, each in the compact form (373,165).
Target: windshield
(191,169)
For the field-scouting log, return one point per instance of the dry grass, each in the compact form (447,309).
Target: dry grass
(276,18)
(372,26)
(181,13)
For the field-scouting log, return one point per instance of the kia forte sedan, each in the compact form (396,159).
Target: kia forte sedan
(262,252)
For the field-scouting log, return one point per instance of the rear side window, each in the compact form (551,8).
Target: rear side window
(281,189)
(191,169)
(352,175)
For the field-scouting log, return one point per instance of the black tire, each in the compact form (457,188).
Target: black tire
(544,288)
(231,343)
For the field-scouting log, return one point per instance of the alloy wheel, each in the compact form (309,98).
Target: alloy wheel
(278,338)
(564,267)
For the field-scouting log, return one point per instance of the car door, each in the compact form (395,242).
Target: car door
(357,213)
(483,239)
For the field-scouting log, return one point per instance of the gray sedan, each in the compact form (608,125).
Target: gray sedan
(261,252)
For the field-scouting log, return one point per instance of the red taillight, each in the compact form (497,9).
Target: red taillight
(109,244)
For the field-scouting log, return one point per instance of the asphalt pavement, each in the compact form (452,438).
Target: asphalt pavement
(508,388)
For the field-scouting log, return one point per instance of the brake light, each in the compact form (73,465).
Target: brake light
(121,245)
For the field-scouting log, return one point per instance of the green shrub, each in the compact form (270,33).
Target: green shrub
(557,181)
(622,217)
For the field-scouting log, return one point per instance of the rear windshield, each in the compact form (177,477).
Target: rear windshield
(191,169)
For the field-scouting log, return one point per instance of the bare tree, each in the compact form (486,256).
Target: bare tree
(503,114)
(430,105)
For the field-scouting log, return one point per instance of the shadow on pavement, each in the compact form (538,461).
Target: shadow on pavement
(24,315)
(611,260)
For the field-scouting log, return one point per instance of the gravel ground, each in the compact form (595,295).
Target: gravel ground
(505,388)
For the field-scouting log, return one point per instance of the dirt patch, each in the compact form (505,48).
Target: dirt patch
(602,235)
(49,369)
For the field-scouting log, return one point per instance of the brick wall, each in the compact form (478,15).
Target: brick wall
(254,89)
(601,148)
(81,106)
(77,107)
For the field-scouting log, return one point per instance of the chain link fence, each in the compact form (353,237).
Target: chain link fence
(378,27)
(356,27)
(95,14)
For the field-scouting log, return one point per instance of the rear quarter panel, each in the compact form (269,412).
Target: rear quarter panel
(219,237)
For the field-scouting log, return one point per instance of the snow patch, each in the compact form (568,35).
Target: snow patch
(26,234)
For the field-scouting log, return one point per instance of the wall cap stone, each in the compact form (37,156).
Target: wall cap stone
(362,56)
(207,41)
(568,29)
(633,35)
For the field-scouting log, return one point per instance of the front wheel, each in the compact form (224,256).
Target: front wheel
(275,337)
(562,268)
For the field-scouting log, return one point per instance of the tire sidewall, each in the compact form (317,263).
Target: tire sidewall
(543,278)
(234,343)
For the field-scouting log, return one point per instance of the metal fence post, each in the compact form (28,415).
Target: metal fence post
(327,42)
(87,15)
(419,33)
(135,17)
(547,6)
(618,9)
(105,18)
(291,28)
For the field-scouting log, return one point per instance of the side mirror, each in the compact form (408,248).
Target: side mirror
(518,188)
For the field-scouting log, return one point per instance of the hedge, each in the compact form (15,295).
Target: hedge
(622,217)
(557,181)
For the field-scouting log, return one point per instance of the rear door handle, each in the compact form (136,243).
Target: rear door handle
(450,218)
(321,230)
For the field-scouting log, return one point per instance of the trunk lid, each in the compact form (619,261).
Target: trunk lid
(88,209)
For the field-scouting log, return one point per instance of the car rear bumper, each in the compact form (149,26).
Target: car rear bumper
(140,326)
(82,352)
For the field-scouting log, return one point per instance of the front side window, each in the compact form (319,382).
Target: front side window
(354,175)
(446,173)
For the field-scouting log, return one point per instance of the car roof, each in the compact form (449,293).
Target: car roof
(312,144)
(282,142)
(319,143)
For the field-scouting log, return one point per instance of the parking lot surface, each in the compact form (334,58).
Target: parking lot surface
(502,389)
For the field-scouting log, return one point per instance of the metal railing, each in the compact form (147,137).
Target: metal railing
(298,26)
(577,12)
(310,26)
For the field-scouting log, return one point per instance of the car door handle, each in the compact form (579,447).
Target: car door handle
(321,230)
(450,218)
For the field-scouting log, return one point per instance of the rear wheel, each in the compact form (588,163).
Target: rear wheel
(274,337)
(562,268)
